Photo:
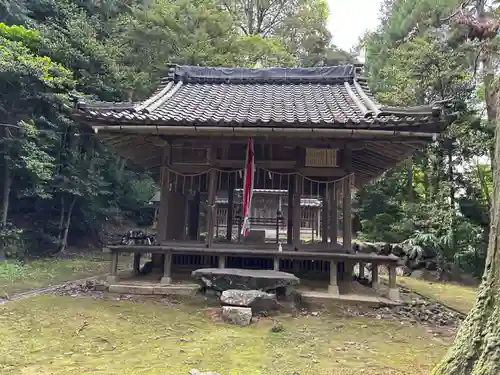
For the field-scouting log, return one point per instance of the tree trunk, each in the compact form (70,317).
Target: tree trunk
(7,183)
(476,350)
(67,222)
(61,222)
(451,181)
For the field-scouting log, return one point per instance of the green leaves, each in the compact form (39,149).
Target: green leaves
(413,58)
(118,50)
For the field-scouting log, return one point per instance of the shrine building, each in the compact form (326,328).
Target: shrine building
(317,134)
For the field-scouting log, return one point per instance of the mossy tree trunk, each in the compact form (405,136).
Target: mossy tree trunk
(476,350)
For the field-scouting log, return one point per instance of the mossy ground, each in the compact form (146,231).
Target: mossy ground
(16,277)
(456,296)
(59,335)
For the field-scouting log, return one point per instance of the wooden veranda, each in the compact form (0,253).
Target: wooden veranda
(318,134)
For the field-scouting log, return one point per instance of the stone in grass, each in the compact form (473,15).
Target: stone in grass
(257,300)
(241,316)
(235,278)
(198,372)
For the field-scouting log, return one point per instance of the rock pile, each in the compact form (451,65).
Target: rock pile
(238,306)
(245,293)
(138,237)
(80,288)
(415,309)
(416,261)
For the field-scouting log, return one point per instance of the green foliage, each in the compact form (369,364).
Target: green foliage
(11,269)
(56,169)
(16,33)
(12,242)
(412,58)
(59,182)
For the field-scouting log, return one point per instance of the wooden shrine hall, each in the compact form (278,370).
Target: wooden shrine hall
(317,133)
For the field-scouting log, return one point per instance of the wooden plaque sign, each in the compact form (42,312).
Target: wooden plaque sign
(321,157)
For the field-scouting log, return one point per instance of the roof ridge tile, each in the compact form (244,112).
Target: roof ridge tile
(207,74)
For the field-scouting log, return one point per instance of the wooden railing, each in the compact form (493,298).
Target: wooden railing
(220,255)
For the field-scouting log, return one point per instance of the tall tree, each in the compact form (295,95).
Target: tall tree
(476,350)
(298,25)
(417,56)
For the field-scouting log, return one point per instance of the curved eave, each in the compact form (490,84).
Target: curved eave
(347,103)
(126,123)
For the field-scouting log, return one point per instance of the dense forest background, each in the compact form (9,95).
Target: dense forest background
(60,186)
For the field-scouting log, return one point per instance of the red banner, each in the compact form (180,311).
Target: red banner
(248,187)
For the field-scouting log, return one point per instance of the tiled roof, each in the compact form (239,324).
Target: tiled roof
(334,96)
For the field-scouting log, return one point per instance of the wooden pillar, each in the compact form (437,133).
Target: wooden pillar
(362,266)
(222,261)
(211,209)
(289,226)
(318,221)
(196,215)
(346,203)
(185,224)
(333,287)
(113,270)
(297,210)
(175,221)
(161,231)
(334,221)
(165,189)
(137,264)
(324,216)
(393,289)
(167,269)
(212,191)
(230,201)
(313,221)
(375,278)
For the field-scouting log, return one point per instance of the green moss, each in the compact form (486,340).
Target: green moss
(459,297)
(61,335)
(18,277)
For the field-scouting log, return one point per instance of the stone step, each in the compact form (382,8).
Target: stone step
(154,289)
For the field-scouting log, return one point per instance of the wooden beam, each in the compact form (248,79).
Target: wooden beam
(189,168)
(289,141)
(346,204)
(334,219)
(270,164)
(325,214)
(297,210)
(289,228)
(230,201)
(322,172)
(212,191)
(164,197)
